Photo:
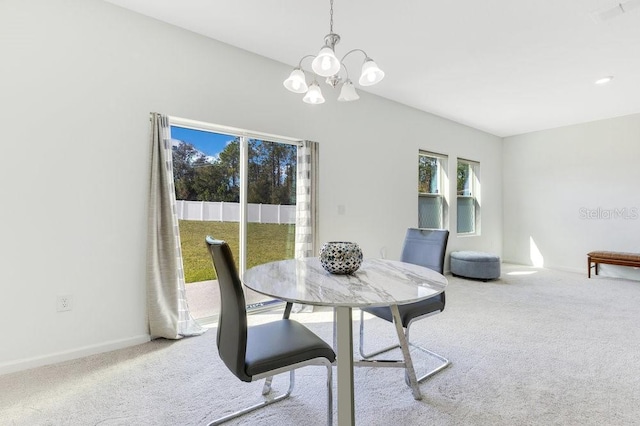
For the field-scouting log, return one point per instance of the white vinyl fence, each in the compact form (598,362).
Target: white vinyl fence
(230,212)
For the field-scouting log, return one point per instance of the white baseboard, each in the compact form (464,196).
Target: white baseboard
(39,361)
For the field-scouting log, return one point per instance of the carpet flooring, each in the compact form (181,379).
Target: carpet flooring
(536,347)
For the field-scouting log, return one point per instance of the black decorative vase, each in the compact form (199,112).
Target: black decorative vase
(340,257)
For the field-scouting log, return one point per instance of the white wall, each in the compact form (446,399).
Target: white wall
(556,180)
(78,80)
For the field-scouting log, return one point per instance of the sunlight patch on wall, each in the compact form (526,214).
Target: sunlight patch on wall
(534,253)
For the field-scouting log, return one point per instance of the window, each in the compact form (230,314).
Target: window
(432,204)
(468,187)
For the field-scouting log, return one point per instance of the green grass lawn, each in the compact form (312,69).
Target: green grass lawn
(266,242)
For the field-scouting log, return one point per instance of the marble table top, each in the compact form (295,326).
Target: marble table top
(378,282)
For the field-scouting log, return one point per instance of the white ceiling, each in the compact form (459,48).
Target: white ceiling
(503,66)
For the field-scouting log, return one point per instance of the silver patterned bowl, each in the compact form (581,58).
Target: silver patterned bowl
(340,257)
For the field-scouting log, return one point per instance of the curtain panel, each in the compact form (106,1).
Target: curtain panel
(167,307)
(306,206)
(306,200)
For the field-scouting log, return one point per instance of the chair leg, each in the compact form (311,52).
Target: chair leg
(292,380)
(266,389)
(335,331)
(405,349)
(261,404)
(330,394)
(444,361)
(361,349)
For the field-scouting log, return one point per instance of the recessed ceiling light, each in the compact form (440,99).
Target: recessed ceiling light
(604,80)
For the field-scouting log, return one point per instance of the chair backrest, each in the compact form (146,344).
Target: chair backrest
(232,321)
(425,247)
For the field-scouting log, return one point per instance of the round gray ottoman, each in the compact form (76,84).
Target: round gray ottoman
(475,264)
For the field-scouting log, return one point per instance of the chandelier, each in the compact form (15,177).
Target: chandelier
(326,64)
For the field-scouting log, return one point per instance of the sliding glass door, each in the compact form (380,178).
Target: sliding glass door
(237,188)
(271,204)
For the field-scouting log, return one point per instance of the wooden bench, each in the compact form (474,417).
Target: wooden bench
(611,258)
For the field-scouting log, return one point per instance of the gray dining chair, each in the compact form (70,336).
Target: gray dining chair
(261,351)
(425,248)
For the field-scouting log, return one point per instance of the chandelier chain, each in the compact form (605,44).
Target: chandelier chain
(331,17)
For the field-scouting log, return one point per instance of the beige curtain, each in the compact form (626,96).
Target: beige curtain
(306,204)
(167,307)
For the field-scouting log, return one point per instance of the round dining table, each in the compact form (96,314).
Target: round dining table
(378,282)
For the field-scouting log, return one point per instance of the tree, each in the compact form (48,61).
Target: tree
(272,170)
(271,173)
(184,155)
(229,160)
(463,176)
(209,181)
(427,172)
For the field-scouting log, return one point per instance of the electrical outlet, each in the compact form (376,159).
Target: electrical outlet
(65,303)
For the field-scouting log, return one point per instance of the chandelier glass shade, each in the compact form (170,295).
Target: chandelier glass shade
(296,82)
(371,74)
(348,92)
(314,95)
(327,65)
